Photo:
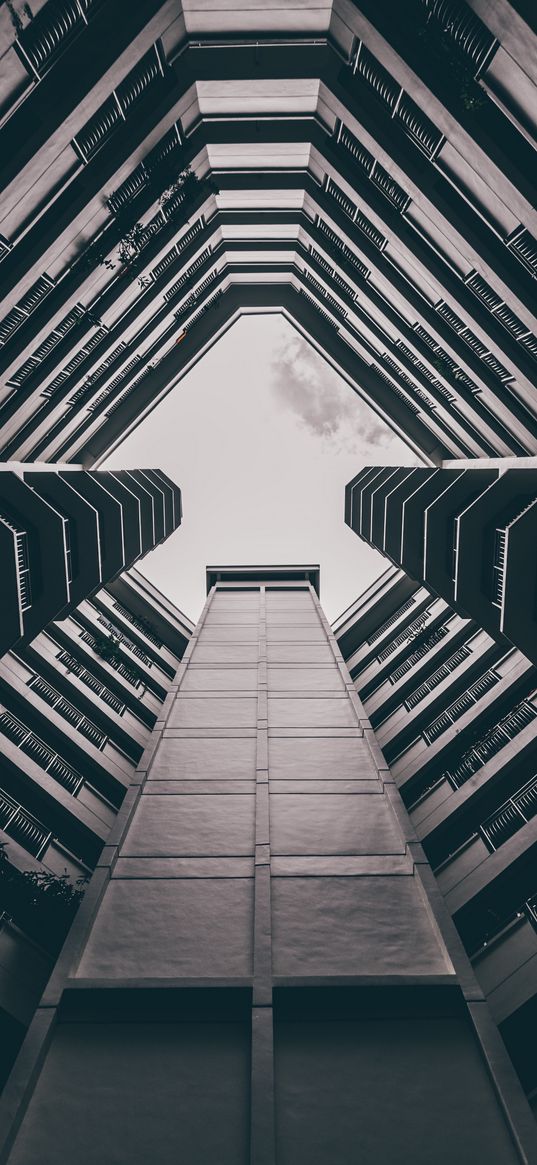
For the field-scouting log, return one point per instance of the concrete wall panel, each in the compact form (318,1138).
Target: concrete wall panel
(169,928)
(204,825)
(117,1093)
(369,1092)
(353,926)
(198,758)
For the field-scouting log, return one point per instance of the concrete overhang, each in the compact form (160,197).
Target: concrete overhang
(374,487)
(131,515)
(163,486)
(475,540)
(439,530)
(254,575)
(44,527)
(83,530)
(397,533)
(380,509)
(110,518)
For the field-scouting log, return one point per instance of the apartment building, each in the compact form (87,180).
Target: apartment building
(366,170)
(77,707)
(455,714)
(466,530)
(262,969)
(159,187)
(64,532)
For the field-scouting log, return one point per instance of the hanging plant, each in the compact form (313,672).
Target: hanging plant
(40,903)
(186,183)
(439,46)
(131,244)
(108,647)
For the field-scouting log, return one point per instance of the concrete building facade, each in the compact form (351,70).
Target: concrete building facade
(465,530)
(262,964)
(77,706)
(364,169)
(455,714)
(65,532)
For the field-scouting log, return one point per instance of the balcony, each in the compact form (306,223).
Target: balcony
(87,795)
(491,835)
(123,639)
(511,816)
(506,962)
(141,625)
(22,563)
(73,715)
(490,744)
(460,706)
(424,648)
(123,669)
(437,677)
(97,132)
(91,682)
(23,827)
(50,32)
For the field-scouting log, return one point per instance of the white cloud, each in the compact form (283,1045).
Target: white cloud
(321,401)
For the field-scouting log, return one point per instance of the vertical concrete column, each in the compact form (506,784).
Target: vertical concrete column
(262,1109)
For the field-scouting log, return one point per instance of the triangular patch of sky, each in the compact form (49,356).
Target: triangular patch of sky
(262,436)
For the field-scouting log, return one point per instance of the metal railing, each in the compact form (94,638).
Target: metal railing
(139,624)
(437,677)
(490,744)
(23,827)
(460,706)
(38,751)
(407,665)
(50,32)
(503,924)
(511,816)
(68,711)
(498,567)
(22,563)
(124,640)
(91,682)
(473,39)
(123,669)
(411,632)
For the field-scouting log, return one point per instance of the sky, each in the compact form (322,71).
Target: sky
(262,436)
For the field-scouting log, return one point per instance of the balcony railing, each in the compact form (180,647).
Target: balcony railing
(407,665)
(51,31)
(411,632)
(498,567)
(140,624)
(23,827)
(460,706)
(465,29)
(400,106)
(91,682)
(437,677)
(64,708)
(500,551)
(511,816)
(40,753)
(372,169)
(22,561)
(393,619)
(124,640)
(123,669)
(145,75)
(499,927)
(490,744)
